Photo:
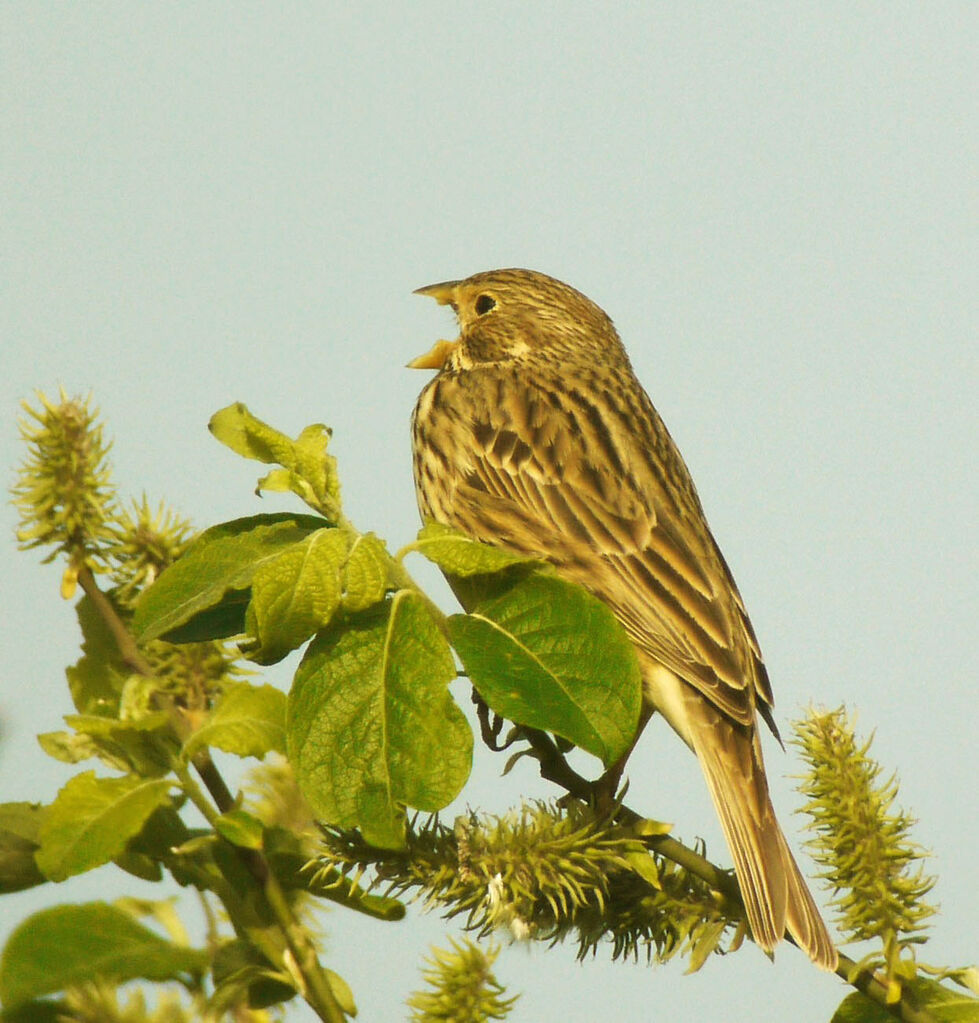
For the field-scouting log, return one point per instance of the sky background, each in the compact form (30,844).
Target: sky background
(776,203)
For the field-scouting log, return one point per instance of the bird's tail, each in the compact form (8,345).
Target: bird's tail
(775,894)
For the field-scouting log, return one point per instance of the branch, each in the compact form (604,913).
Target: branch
(133,658)
(305,965)
(555,768)
(868,983)
(128,649)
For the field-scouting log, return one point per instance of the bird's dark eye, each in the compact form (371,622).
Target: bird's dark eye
(484,303)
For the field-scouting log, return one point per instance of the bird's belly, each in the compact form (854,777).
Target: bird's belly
(665,691)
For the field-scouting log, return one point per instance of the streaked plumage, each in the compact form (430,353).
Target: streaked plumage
(536,435)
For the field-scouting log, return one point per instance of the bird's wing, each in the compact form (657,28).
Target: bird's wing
(542,476)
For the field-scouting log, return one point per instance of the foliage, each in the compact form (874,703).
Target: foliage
(462,987)
(373,737)
(875,869)
(547,873)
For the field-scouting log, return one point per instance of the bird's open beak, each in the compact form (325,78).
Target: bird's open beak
(435,357)
(444,294)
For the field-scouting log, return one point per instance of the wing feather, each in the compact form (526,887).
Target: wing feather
(527,475)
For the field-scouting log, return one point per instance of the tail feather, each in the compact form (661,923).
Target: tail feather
(775,894)
(802,917)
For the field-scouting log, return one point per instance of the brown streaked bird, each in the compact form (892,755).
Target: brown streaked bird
(536,436)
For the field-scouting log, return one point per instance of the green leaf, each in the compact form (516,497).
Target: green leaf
(371,725)
(161,911)
(964,976)
(458,554)
(341,992)
(708,937)
(250,721)
(139,865)
(238,964)
(71,748)
(309,471)
(142,745)
(91,820)
(366,576)
(225,618)
(20,824)
(73,944)
(549,655)
(240,828)
(163,832)
(95,680)
(276,481)
(645,866)
(40,1011)
(295,594)
(22,820)
(208,579)
(943,1004)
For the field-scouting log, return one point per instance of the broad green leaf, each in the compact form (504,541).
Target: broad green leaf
(366,575)
(943,1004)
(73,944)
(461,555)
(142,745)
(36,1011)
(72,748)
(223,619)
(341,992)
(93,724)
(249,721)
(210,576)
(95,680)
(143,867)
(276,481)
(309,471)
(549,655)
(240,828)
(91,820)
(238,964)
(164,832)
(22,819)
(371,724)
(20,824)
(295,594)
(162,911)
(946,1004)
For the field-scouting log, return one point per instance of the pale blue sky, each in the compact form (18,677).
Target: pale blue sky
(776,203)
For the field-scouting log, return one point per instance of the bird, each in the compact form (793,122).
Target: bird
(536,436)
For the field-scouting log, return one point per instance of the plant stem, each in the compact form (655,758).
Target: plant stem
(868,984)
(554,767)
(128,649)
(135,661)
(315,986)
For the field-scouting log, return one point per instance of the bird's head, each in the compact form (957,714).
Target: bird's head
(509,315)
